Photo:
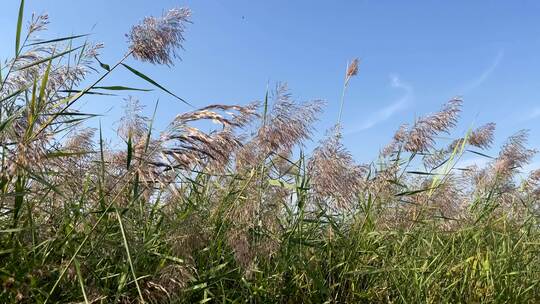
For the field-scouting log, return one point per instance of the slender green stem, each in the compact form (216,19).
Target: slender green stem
(126,246)
(342,101)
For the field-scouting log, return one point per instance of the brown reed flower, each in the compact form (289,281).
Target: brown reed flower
(352,70)
(534,176)
(397,140)
(80,140)
(532,184)
(63,77)
(420,137)
(288,123)
(187,146)
(514,154)
(156,40)
(133,124)
(482,137)
(38,23)
(334,176)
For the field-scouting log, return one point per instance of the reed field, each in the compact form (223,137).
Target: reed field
(244,212)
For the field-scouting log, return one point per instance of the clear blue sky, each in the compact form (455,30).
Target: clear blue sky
(415,56)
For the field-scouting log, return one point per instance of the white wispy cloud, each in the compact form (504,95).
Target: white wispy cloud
(535,113)
(476,82)
(389,110)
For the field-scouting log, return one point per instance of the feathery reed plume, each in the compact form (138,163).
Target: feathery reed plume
(397,141)
(76,164)
(38,23)
(170,280)
(474,176)
(535,176)
(132,123)
(482,137)
(383,184)
(333,172)
(514,154)
(80,140)
(62,77)
(187,146)
(156,40)
(288,123)
(443,204)
(420,137)
(532,184)
(352,70)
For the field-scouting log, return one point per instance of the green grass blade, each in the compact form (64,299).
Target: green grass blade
(19,29)
(129,151)
(81,280)
(58,39)
(148,79)
(126,246)
(121,88)
(44,81)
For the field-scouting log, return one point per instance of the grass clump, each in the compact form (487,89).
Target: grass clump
(242,213)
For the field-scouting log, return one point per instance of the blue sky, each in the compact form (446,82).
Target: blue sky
(415,56)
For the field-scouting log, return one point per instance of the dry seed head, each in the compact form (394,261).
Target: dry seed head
(38,23)
(534,176)
(133,123)
(421,136)
(532,184)
(239,115)
(288,123)
(157,40)
(445,200)
(81,140)
(514,154)
(334,175)
(398,139)
(456,143)
(445,119)
(482,137)
(61,77)
(189,146)
(352,69)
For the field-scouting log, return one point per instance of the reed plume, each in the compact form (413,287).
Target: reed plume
(514,154)
(420,137)
(288,123)
(156,40)
(352,70)
(38,23)
(133,124)
(481,137)
(186,146)
(335,178)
